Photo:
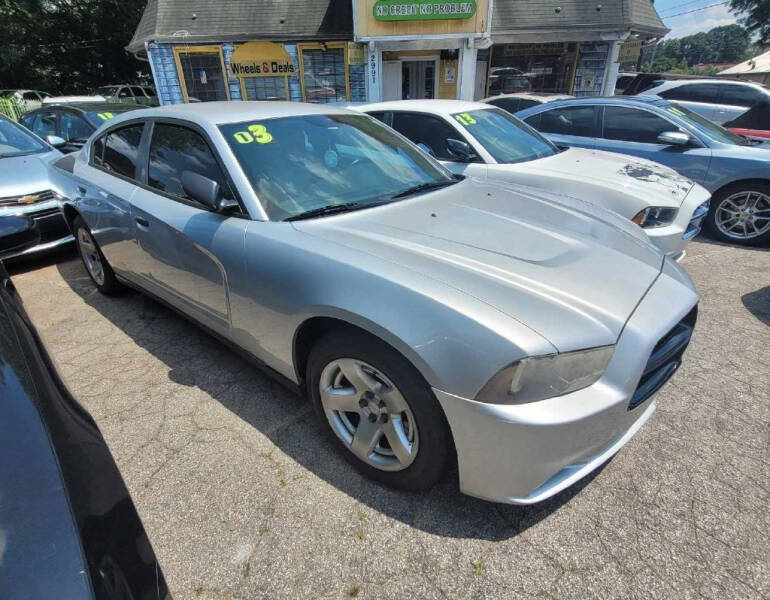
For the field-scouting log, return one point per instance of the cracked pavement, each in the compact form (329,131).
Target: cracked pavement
(243,497)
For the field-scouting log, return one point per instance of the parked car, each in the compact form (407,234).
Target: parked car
(644,81)
(754,124)
(718,100)
(29,99)
(736,173)
(516,102)
(622,81)
(25,185)
(420,313)
(482,141)
(68,526)
(74,123)
(74,98)
(135,94)
(506,80)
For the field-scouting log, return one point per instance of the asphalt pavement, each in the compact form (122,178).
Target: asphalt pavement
(243,497)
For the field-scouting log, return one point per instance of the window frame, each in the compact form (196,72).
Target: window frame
(199,50)
(242,85)
(103,137)
(323,46)
(695,138)
(461,135)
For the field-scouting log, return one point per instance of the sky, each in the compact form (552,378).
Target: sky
(693,22)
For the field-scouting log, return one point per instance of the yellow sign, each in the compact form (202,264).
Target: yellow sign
(261,59)
(356,54)
(630,50)
(256,133)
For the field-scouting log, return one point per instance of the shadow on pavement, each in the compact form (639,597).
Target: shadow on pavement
(196,359)
(707,239)
(758,304)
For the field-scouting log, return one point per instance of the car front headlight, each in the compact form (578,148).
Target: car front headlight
(655,216)
(539,377)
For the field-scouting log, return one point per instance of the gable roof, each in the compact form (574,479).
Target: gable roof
(201,21)
(511,16)
(758,64)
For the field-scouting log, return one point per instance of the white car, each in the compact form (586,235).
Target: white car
(485,142)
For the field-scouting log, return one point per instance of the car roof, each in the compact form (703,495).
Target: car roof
(443,107)
(544,96)
(88,107)
(601,100)
(224,112)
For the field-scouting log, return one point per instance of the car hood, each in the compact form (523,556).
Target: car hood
(25,174)
(567,269)
(613,175)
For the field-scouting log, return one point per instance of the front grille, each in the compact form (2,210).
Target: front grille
(665,359)
(14,201)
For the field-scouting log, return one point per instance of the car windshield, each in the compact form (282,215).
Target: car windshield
(97,117)
(105,90)
(312,162)
(505,137)
(708,128)
(15,141)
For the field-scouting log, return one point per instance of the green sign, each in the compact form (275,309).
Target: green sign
(423,10)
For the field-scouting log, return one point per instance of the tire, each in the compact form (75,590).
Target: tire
(422,427)
(736,199)
(97,267)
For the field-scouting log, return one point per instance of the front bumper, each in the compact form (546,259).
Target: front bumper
(673,238)
(522,454)
(49,219)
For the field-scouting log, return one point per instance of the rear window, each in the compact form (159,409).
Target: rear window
(693,92)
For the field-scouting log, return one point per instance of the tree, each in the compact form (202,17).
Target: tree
(729,43)
(68,46)
(756,17)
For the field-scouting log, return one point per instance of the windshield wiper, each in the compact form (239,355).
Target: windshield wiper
(330,209)
(423,187)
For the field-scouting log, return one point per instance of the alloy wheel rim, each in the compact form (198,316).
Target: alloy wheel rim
(90,254)
(744,215)
(369,414)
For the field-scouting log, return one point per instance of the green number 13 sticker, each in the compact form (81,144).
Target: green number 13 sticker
(255,133)
(465,119)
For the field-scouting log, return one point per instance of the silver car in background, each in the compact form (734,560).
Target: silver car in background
(430,319)
(25,185)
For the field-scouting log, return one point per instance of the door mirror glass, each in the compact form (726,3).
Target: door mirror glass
(17,234)
(460,150)
(55,140)
(674,138)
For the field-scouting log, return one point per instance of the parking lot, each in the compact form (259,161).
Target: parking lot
(243,497)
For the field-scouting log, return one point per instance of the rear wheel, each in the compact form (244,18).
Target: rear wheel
(96,265)
(740,214)
(378,410)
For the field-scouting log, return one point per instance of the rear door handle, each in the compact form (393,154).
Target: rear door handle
(142,222)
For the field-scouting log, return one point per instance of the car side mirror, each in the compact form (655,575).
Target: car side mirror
(55,141)
(17,233)
(674,138)
(460,150)
(206,191)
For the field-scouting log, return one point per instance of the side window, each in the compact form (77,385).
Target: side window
(739,95)
(149,92)
(570,120)
(73,128)
(120,150)
(634,125)
(137,91)
(174,150)
(27,121)
(124,92)
(30,96)
(45,124)
(527,103)
(534,121)
(693,92)
(97,152)
(428,130)
(379,115)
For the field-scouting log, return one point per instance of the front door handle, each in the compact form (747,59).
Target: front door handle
(142,222)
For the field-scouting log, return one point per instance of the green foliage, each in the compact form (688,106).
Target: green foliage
(726,44)
(68,46)
(756,19)
(11,108)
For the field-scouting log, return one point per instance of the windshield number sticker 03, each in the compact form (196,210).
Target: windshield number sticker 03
(255,133)
(465,119)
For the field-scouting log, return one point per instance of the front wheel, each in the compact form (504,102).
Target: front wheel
(96,265)
(740,214)
(379,410)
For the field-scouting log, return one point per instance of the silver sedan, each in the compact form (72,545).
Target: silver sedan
(430,319)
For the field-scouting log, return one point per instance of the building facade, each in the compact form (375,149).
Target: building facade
(370,50)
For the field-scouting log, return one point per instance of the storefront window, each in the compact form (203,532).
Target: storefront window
(324,73)
(202,73)
(547,67)
(265,88)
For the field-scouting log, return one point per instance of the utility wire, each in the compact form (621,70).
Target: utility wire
(673,8)
(687,12)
